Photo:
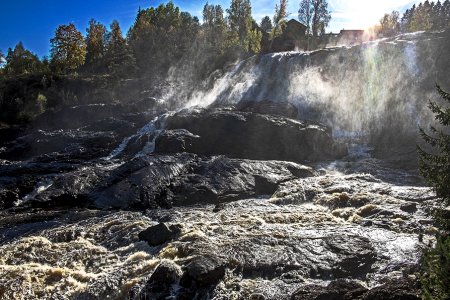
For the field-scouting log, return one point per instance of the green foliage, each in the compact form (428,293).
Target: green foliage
(315,16)
(160,36)
(435,167)
(436,264)
(254,41)
(266,24)
(118,58)
(305,14)
(68,49)
(240,22)
(389,24)
(426,16)
(96,39)
(212,39)
(279,18)
(21,61)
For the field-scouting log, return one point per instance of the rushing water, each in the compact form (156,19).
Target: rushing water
(307,230)
(359,218)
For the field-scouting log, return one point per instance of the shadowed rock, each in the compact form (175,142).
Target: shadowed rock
(247,135)
(158,234)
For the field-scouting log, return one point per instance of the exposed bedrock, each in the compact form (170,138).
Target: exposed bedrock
(144,182)
(247,135)
(78,132)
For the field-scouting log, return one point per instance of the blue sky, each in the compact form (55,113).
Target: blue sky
(34,21)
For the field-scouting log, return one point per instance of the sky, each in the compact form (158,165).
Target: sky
(34,22)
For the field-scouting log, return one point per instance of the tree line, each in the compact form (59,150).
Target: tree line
(160,37)
(424,17)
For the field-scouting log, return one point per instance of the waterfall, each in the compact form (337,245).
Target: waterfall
(353,89)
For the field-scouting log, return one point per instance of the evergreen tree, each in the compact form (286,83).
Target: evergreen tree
(266,24)
(279,19)
(119,59)
(321,17)
(21,61)
(446,14)
(437,16)
(95,44)
(435,167)
(214,28)
(421,18)
(389,24)
(160,36)
(405,20)
(240,23)
(305,14)
(68,48)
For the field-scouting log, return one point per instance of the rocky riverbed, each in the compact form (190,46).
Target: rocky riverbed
(220,203)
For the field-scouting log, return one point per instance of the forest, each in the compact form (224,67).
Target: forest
(163,38)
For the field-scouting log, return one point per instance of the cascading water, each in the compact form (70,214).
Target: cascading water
(352,89)
(150,130)
(239,228)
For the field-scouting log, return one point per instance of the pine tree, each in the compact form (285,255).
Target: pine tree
(446,13)
(305,14)
(68,48)
(240,23)
(119,59)
(437,16)
(95,44)
(266,24)
(279,19)
(321,17)
(21,61)
(435,167)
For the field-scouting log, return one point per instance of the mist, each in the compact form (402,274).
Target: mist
(380,88)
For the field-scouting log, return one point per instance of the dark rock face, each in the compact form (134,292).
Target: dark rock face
(203,271)
(248,135)
(144,182)
(283,109)
(158,286)
(79,132)
(175,141)
(158,234)
(400,289)
(336,290)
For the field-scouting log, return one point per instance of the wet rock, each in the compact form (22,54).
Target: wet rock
(409,207)
(73,117)
(203,271)
(158,234)
(395,289)
(158,286)
(175,141)
(275,108)
(257,297)
(253,136)
(336,290)
(83,132)
(221,179)
(352,262)
(142,183)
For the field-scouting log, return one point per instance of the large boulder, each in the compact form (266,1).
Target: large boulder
(248,135)
(159,234)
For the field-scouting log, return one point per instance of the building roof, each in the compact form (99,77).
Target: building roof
(294,22)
